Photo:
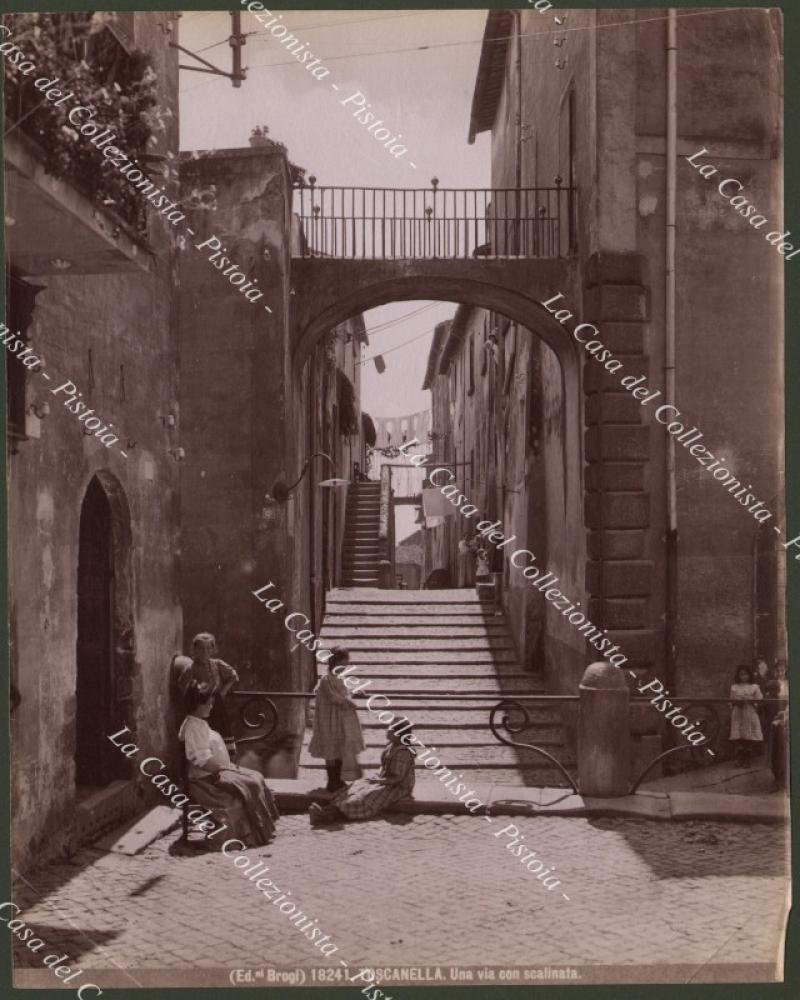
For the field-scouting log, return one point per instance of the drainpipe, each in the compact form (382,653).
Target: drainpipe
(671,151)
(518,162)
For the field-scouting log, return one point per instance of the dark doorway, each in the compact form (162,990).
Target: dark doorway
(97,761)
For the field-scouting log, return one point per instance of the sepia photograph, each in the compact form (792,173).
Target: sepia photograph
(397,539)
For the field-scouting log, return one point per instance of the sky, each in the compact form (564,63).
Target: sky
(425,94)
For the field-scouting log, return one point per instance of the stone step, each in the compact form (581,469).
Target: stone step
(476,687)
(459,718)
(548,737)
(376,596)
(398,630)
(451,670)
(460,624)
(430,657)
(441,643)
(434,644)
(455,758)
(376,613)
(473,778)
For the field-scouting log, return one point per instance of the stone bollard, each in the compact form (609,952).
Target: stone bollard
(603,731)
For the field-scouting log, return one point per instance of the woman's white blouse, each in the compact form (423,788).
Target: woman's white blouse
(202,745)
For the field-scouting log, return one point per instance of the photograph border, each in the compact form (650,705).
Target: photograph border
(744,991)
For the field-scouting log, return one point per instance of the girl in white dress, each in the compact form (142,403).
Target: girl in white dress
(746,735)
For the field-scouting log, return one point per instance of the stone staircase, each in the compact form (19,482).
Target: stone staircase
(440,642)
(360,558)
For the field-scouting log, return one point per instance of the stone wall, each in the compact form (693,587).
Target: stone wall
(112,335)
(234,428)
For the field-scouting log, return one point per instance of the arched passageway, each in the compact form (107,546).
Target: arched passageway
(539,495)
(326,292)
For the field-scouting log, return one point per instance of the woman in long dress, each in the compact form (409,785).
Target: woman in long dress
(336,734)
(746,735)
(238,796)
(368,797)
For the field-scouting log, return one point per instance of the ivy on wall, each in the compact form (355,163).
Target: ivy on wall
(81,56)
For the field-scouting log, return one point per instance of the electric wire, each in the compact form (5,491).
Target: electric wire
(328,24)
(405,343)
(479,41)
(400,319)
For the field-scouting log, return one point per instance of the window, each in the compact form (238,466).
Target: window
(20,301)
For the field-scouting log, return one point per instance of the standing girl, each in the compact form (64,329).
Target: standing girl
(205,668)
(746,734)
(337,732)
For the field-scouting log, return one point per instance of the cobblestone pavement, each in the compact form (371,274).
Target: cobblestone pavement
(426,890)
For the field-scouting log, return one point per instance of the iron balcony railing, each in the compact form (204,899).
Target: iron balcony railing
(435,223)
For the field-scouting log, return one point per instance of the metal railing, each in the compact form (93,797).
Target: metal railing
(705,715)
(515,719)
(707,719)
(435,223)
(258,711)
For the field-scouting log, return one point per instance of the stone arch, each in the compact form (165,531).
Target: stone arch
(322,304)
(327,292)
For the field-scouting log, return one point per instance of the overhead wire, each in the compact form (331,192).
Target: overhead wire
(400,319)
(479,41)
(405,343)
(328,24)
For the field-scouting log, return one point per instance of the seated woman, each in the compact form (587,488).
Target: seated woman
(238,793)
(205,668)
(368,797)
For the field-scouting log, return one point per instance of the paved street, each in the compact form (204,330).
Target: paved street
(426,891)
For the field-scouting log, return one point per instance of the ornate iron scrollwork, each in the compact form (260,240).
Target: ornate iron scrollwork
(257,711)
(515,719)
(707,721)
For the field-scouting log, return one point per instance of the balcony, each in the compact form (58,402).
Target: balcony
(52,228)
(435,223)
(67,209)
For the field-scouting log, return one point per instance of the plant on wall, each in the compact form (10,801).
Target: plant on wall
(82,57)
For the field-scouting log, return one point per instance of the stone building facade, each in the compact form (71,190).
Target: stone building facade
(119,555)
(251,424)
(687,586)
(92,524)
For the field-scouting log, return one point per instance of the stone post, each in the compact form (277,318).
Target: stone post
(603,731)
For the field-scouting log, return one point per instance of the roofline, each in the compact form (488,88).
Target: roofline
(492,62)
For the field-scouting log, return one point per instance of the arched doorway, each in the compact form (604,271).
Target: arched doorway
(104,648)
